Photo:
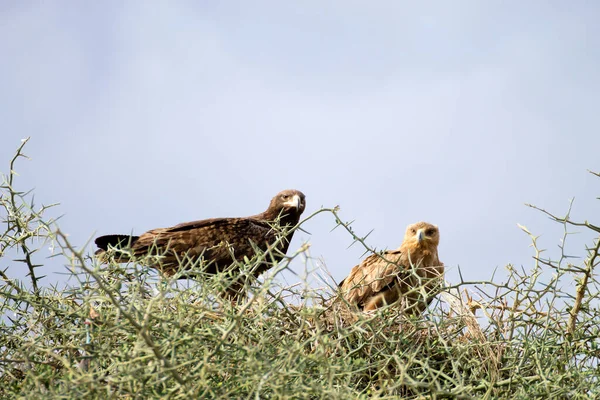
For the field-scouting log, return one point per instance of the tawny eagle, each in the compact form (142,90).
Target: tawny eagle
(407,276)
(219,242)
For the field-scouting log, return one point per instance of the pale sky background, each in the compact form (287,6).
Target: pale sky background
(147,114)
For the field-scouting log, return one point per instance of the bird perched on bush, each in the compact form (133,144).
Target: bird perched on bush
(219,242)
(408,275)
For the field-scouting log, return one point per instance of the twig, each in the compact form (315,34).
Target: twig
(582,287)
(142,331)
(21,228)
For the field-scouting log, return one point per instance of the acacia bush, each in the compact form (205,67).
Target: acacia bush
(123,331)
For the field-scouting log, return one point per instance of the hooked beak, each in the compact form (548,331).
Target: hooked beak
(420,235)
(294,202)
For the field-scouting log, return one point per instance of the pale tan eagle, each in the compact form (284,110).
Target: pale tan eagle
(408,276)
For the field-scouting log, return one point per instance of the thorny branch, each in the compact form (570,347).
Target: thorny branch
(162,344)
(19,231)
(141,328)
(590,262)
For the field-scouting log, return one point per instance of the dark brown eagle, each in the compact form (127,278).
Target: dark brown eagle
(219,242)
(408,275)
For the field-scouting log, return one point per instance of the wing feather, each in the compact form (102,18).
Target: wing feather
(217,223)
(371,276)
(213,239)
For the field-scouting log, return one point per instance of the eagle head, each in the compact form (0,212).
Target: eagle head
(291,200)
(422,234)
(288,204)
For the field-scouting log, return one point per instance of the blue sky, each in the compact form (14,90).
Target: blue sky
(147,114)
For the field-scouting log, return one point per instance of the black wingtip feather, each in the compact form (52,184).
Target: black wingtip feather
(115,241)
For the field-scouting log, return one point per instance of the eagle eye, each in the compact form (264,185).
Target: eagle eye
(413,230)
(430,232)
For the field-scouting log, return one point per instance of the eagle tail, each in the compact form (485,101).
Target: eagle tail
(119,241)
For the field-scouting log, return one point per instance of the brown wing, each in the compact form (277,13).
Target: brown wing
(374,274)
(213,239)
